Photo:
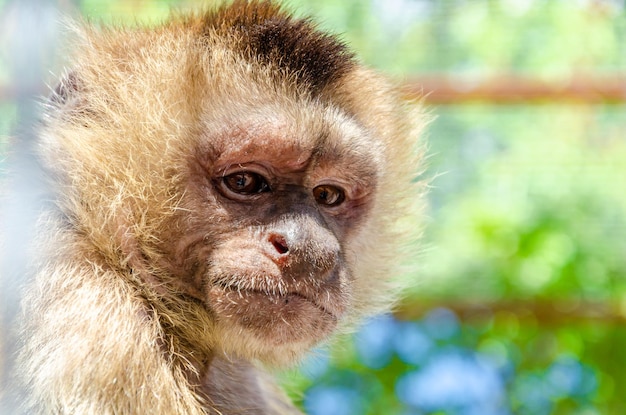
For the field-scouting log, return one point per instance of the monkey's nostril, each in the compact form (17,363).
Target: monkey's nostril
(279,243)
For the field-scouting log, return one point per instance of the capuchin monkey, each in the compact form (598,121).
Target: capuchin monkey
(226,191)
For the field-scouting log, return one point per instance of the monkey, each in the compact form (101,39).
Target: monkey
(227,190)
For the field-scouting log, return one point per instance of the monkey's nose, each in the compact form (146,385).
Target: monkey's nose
(279,243)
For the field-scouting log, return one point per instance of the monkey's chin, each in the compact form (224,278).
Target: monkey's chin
(267,324)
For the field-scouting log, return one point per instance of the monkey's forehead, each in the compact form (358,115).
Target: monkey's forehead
(292,140)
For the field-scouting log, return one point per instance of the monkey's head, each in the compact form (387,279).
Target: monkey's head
(243,169)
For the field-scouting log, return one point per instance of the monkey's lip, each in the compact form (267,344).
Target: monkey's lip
(280,297)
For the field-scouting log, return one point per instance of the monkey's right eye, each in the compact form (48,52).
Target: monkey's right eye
(246,183)
(328,195)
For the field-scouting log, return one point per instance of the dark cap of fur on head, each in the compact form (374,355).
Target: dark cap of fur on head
(270,36)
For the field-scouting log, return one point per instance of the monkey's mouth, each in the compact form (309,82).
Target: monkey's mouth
(293,316)
(278,299)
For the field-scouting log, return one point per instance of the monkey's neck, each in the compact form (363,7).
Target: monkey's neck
(234,386)
(187,333)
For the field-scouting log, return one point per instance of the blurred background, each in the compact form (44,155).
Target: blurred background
(518,304)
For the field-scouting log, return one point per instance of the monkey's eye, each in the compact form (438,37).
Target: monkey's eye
(328,195)
(246,183)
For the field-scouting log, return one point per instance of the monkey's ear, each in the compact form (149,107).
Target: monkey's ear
(67,92)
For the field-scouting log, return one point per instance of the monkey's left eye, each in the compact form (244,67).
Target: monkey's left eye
(328,195)
(246,183)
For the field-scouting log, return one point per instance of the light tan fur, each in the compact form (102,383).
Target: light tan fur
(116,320)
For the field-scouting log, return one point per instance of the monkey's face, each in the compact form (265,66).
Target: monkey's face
(276,201)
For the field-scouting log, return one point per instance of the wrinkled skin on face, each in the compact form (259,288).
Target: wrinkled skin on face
(286,203)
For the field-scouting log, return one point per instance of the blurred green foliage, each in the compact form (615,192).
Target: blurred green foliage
(527,217)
